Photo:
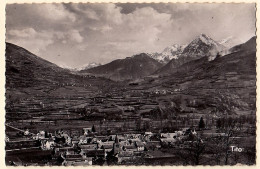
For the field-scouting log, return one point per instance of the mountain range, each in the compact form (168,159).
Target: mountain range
(169,53)
(28,75)
(142,65)
(202,46)
(84,67)
(135,67)
(202,71)
(226,82)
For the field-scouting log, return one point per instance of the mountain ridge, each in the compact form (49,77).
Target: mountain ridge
(226,84)
(135,67)
(28,75)
(200,47)
(169,53)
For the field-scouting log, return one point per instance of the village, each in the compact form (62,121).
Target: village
(89,147)
(94,149)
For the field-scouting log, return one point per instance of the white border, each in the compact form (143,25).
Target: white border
(2,72)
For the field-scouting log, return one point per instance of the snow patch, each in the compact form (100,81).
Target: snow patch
(169,53)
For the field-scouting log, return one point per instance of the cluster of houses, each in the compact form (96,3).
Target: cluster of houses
(90,148)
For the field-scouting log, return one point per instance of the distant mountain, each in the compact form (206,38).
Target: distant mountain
(202,46)
(228,81)
(226,84)
(250,45)
(28,75)
(84,67)
(24,69)
(130,68)
(241,59)
(244,46)
(169,53)
(88,66)
(230,41)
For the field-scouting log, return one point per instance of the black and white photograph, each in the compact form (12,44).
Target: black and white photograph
(130,84)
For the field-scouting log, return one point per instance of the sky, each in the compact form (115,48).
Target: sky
(73,35)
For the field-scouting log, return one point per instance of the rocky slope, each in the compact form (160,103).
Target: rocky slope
(226,84)
(31,79)
(202,46)
(169,53)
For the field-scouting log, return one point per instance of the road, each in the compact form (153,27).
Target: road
(18,129)
(17,149)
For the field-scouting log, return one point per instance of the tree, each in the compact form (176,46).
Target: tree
(93,129)
(124,127)
(46,134)
(218,55)
(201,123)
(116,139)
(216,148)
(219,147)
(138,125)
(227,145)
(111,158)
(218,124)
(146,126)
(98,161)
(198,150)
(193,154)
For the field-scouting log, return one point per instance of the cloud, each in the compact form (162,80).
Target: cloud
(24,33)
(103,29)
(75,36)
(91,14)
(55,12)
(30,39)
(100,32)
(82,47)
(83,11)
(37,42)
(39,16)
(138,32)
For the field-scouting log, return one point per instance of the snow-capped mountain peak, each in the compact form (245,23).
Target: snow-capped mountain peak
(230,41)
(204,39)
(225,40)
(202,46)
(84,67)
(170,52)
(88,66)
(199,47)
